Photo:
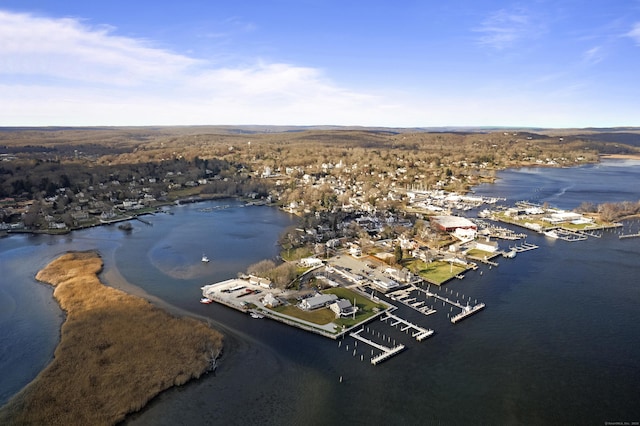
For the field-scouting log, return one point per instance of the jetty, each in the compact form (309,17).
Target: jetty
(386,351)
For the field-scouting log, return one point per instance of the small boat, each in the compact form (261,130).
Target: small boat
(206,300)
(256,315)
(551,234)
(205,259)
(509,254)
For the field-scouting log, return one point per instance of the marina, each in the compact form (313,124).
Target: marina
(386,352)
(403,296)
(523,247)
(466,310)
(417,332)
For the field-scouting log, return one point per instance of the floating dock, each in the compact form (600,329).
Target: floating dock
(386,351)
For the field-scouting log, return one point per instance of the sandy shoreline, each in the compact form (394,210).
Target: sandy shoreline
(620,156)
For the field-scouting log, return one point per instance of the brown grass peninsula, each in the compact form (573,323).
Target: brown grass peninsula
(116,352)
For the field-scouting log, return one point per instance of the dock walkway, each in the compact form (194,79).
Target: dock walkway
(386,351)
(523,247)
(466,310)
(419,334)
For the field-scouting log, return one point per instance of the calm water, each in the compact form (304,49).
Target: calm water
(557,343)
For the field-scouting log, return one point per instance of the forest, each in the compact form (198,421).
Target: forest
(62,173)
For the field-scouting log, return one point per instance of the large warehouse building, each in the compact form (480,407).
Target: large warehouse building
(451,223)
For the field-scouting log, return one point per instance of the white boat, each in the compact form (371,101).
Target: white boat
(206,300)
(509,254)
(551,234)
(256,315)
(205,259)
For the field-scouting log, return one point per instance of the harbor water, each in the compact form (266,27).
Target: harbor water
(556,344)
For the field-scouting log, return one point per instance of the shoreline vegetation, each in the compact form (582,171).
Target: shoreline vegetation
(119,344)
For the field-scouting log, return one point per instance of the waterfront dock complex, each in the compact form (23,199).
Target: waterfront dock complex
(344,276)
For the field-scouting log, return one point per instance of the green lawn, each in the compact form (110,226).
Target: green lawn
(479,254)
(366,306)
(436,272)
(296,254)
(319,316)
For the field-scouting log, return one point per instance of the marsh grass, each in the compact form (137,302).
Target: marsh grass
(116,352)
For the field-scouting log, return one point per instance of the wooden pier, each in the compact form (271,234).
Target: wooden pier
(566,235)
(622,237)
(419,334)
(403,297)
(386,351)
(524,247)
(468,310)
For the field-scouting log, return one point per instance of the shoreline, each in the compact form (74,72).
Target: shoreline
(620,156)
(103,327)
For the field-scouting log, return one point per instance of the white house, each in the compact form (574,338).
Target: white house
(343,308)
(262,282)
(386,285)
(487,245)
(310,262)
(317,301)
(270,301)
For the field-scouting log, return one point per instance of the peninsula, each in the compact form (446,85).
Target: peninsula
(116,352)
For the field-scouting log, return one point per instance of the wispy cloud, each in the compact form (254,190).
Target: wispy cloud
(64,71)
(504,28)
(70,50)
(593,55)
(635,33)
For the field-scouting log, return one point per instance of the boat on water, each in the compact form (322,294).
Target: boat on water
(205,259)
(256,315)
(206,300)
(551,234)
(509,254)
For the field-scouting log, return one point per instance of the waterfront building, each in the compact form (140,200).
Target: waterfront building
(317,301)
(451,223)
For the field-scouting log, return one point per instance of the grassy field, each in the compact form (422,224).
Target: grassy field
(116,352)
(479,254)
(436,272)
(366,306)
(318,316)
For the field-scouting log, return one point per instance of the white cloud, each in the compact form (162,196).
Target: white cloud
(593,55)
(635,33)
(504,28)
(66,72)
(66,49)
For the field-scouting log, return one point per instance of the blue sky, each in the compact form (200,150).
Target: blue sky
(540,63)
